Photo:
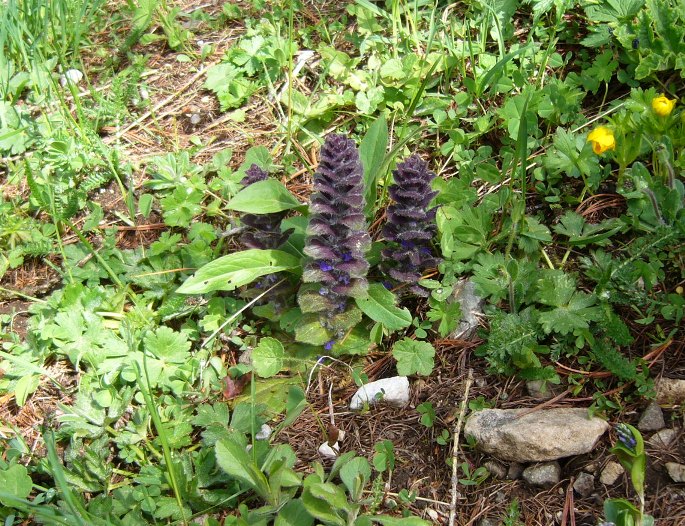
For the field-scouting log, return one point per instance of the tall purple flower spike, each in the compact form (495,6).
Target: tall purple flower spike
(337,239)
(410,224)
(263,230)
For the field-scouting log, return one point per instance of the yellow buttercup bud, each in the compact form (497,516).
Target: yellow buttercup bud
(602,139)
(662,105)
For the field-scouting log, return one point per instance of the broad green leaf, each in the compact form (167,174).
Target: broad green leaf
(238,269)
(355,474)
(372,152)
(379,305)
(24,387)
(310,331)
(263,197)
(15,481)
(413,357)
(267,357)
(294,513)
(235,461)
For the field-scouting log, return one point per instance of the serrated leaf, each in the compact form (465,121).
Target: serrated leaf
(267,357)
(238,269)
(379,305)
(263,197)
(413,357)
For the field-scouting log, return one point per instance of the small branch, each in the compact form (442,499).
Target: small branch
(455,448)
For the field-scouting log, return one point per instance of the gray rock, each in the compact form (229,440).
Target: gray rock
(488,522)
(652,418)
(393,391)
(545,474)
(515,471)
(670,391)
(471,309)
(676,471)
(584,484)
(611,473)
(539,436)
(496,469)
(540,389)
(664,438)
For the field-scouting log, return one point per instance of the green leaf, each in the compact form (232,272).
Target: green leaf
(294,513)
(372,152)
(379,305)
(355,474)
(263,197)
(235,461)
(238,269)
(24,387)
(267,357)
(15,481)
(413,357)
(574,309)
(310,331)
(168,345)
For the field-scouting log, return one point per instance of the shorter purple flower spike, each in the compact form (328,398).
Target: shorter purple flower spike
(263,230)
(411,225)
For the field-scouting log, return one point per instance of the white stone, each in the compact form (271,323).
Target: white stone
(327,451)
(611,472)
(73,76)
(264,433)
(393,391)
(676,471)
(522,436)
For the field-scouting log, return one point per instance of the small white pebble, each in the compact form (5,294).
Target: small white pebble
(327,451)
(264,433)
(73,76)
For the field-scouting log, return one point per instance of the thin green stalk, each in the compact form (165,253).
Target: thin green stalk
(161,432)
(115,279)
(75,506)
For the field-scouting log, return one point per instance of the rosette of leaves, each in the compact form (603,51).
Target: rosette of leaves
(337,241)
(410,225)
(263,231)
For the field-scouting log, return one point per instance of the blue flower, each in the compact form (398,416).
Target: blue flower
(329,345)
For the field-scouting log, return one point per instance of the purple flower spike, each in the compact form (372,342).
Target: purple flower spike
(337,239)
(411,225)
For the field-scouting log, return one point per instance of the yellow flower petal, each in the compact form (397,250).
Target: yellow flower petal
(662,105)
(602,139)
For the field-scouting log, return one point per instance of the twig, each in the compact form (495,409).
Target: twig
(455,448)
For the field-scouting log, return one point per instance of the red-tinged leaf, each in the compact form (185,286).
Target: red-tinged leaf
(234,387)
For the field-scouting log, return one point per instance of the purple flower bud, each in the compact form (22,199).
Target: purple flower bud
(329,345)
(325,266)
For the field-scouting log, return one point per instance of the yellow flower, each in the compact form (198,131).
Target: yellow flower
(602,139)
(662,105)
